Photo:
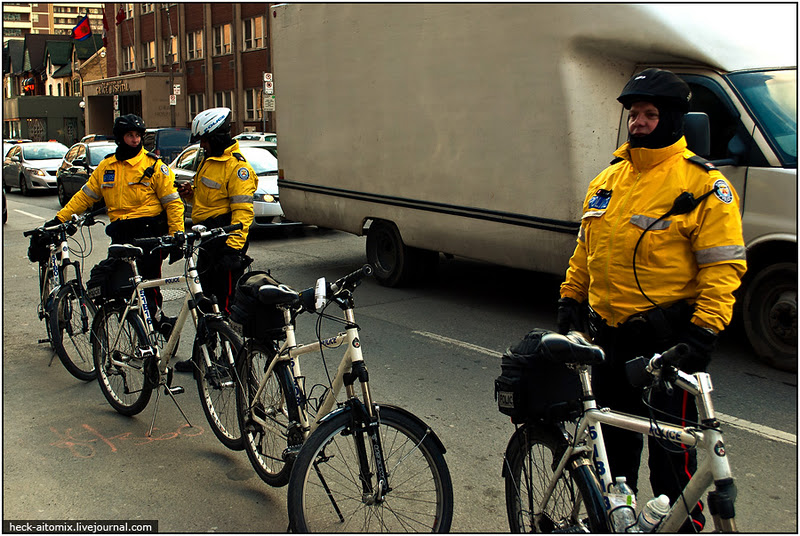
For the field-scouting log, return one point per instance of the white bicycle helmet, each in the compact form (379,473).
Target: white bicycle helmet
(210,122)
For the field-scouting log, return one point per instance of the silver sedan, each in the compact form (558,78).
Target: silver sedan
(32,166)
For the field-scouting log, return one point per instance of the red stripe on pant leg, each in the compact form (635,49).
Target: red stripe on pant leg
(686,455)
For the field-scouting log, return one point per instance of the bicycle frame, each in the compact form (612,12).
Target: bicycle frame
(588,439)
(291,351)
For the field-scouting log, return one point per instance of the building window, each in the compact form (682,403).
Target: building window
(222,39)
(194,45)
(76,86)
(128,8)
(196,104)
(149,54)
(12,16)
(147,8)
(170,49)
(222,99)
(253,102)
(127,59)
(253,33)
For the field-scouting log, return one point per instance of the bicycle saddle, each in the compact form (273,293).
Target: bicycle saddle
(571,348)
(277,295)
(124,251)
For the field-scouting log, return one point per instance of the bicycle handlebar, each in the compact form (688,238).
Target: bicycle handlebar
(332,290)
(641,371)
(70,227)
(198,232)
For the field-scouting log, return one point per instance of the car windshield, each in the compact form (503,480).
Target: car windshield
(43,152)
(96,154)
(772,98)
(174,138)
(260,159)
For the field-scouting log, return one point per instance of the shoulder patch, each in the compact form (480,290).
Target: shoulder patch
(239,157)
(164,169)
(702,162)
(723,191)
(243,173)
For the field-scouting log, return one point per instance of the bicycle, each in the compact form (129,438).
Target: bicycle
(352,466)
(555,466)
(63,304)
(128,360)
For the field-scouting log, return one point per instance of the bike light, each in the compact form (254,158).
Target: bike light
(319,294)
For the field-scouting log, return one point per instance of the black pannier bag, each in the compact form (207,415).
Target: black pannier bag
(39,247)
(258,320)
(533,387)
(110,279)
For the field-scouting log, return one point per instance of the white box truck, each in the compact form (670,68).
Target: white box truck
(474,129)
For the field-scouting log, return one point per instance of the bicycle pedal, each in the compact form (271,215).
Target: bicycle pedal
(177,390)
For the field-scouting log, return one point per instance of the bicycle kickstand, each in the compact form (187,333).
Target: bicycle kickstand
(171,391)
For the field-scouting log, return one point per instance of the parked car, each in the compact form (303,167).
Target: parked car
(78,164)
(96,137)
(32,166)
(261,156)
(257,136)
(16,140)
(166,143)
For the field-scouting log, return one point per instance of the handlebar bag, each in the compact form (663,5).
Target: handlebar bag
(258,320)
(110,279)
(533,387)
(39,248)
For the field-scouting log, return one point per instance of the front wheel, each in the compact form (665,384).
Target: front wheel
(576,504)
(269,420)
(333,485)
(70,321)
(216,383)
(116,345)
(62,194)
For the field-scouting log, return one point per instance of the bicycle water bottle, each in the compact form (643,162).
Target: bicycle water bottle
(622,507)
(652,514)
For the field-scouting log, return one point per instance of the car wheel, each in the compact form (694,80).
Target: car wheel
(6,187)
(23,185)
(62,194)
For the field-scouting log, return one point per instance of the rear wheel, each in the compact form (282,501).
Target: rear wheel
(62,194)
(576,504)
(120,367)
(70,327)
(217,383)
(268,421)
(395,263)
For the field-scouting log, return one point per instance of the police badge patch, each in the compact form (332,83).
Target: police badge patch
(243,173)
(723,191)
(108,176)
(164,169)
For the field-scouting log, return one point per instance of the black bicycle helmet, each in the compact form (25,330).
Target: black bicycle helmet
(127,123)
(659,86)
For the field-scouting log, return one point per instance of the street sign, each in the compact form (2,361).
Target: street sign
(173,100)
(269,88)
(267,77)
(269,103)
(176,89)
(116,102)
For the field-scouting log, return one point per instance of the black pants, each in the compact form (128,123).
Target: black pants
(149,265)
(217,281)
(671,466)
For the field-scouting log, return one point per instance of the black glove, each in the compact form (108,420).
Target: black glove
(230,259)
(701,343)
(53,222)
(176,251)
(571,314)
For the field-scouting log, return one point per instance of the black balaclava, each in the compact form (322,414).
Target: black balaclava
(668,131)
(125,151)
(218,142)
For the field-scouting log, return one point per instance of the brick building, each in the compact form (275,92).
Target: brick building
(205,54)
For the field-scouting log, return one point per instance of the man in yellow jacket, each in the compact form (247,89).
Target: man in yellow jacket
(659,254)
(221,194)
(141,199)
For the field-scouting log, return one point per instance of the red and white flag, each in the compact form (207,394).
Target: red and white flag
(120,15)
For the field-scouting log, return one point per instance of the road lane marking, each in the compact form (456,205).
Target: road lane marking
(735,422)
(28,214)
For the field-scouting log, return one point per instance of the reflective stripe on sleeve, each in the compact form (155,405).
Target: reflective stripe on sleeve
(88,191)
(241,199)
(720,254)
(169,198)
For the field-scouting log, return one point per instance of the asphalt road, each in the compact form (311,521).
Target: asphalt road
(433,350)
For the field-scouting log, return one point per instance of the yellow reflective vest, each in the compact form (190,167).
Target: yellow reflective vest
(698,257)
(225,184)
(128,191)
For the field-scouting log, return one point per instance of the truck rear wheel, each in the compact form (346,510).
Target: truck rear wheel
(770,315)
(395,263)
